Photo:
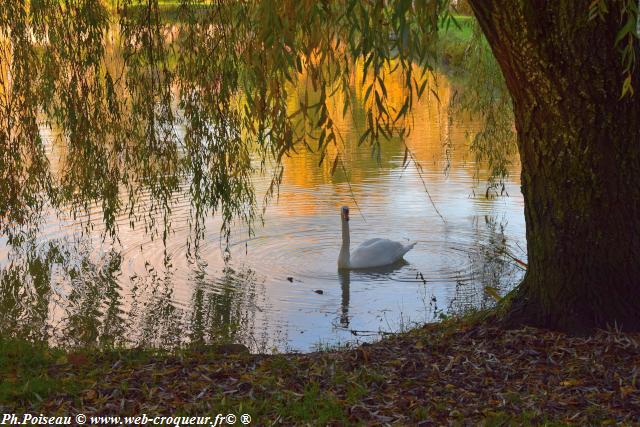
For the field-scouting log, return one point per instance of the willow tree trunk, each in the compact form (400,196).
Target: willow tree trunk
(579,145)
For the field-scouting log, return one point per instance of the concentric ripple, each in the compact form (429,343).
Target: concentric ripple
(279,287)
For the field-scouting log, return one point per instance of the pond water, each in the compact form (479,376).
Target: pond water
(279,289)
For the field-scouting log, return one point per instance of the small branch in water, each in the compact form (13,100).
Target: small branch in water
(364,333)
(521,263)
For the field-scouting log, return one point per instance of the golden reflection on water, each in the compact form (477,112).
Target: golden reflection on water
(137,291)
(438,141)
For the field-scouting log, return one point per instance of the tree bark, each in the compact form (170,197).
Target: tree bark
(579,145)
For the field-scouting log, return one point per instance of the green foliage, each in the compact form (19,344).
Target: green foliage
(145,96)
(484,94)
(23,164)
(627,37)
(146,107)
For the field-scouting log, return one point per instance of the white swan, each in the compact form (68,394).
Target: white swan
(371,253)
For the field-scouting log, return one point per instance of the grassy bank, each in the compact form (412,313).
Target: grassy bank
(453,41)
(460,28)
(457,371)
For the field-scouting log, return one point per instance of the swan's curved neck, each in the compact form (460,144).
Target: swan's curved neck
(344,258)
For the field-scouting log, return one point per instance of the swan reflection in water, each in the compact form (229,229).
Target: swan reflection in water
(365,276)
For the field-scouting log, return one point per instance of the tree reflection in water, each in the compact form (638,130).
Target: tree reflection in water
(143,110)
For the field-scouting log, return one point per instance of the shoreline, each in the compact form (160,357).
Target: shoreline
(460,370)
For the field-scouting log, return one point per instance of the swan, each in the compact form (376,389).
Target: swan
(371,253)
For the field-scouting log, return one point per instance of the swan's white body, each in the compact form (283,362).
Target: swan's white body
(371,253)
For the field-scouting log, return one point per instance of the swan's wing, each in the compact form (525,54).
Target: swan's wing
(377,252)
(370,242)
